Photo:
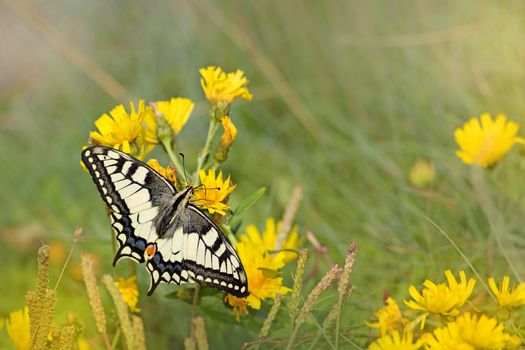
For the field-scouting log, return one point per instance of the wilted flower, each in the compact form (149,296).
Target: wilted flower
(129,291)
(224,87)
(229,134)
(389,318)
(169,173)
(395,341)
(442,299)
(213,192)
(485,144)
(176,112)
(508,299)
(18,329)
(124,131)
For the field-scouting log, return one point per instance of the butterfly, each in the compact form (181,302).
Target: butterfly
(156,224)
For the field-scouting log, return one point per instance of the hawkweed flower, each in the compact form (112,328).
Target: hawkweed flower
(18,329)
(472,332)
(264,281)
(129,291)
(445,338)
(389,318)
(169,173)
(268,239)
(484,144)
(125,131)
(508,299)
(224,87)
(422,174)
(213,193)
(440,298)
(396,341)
(175,112)
(229,134)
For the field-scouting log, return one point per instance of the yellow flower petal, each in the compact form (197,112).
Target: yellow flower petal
(484,144)
(224,87)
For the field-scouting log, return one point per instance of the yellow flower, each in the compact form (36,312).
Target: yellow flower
(268,239)
(472,332)
(129,291)
(389,318)
(169,173)
(485,144)
(422,174)
(18,329)
(262,269)
(230,132)
(446,338)
(224,87)
(176,111)
(394,341)
(442,299)
(124,131)
(214,192)
(508,299)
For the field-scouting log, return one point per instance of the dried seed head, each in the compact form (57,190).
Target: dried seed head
(86,262)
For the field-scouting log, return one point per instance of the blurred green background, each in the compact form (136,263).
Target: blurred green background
(347,96)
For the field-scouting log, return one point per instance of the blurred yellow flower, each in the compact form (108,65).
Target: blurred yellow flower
(124,131)
(442,299)
(213,193)
(472,332)
(394,341)
(176,111)
(83,344)
(389,318)
(268,239)
(129,291)
(229,134)
(484,144)
(224,87)
(508,299)
(169,173)
(18,329)
(422,174)
(446,338)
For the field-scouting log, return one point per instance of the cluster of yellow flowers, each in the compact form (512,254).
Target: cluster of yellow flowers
(138,130)
(453,321)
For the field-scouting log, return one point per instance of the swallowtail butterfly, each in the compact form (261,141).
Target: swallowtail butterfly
(156,224)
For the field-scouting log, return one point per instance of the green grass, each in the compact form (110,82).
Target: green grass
(384,83)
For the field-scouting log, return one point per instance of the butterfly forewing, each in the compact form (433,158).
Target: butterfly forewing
(145,210)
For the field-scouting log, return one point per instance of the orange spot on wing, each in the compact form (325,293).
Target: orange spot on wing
(151,249)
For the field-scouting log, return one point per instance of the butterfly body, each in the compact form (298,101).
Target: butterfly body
(157,225)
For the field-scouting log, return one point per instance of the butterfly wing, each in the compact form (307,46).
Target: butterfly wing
(133,193)
(198,251)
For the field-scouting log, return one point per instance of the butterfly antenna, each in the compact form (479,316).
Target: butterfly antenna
(184,167)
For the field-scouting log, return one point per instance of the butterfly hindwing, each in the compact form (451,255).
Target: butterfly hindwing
(146,211)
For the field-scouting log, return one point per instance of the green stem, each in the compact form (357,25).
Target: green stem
(203,156)
(173,157)
(495,219)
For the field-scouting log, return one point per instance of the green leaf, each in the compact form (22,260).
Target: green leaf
(249,201)
(269,272)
